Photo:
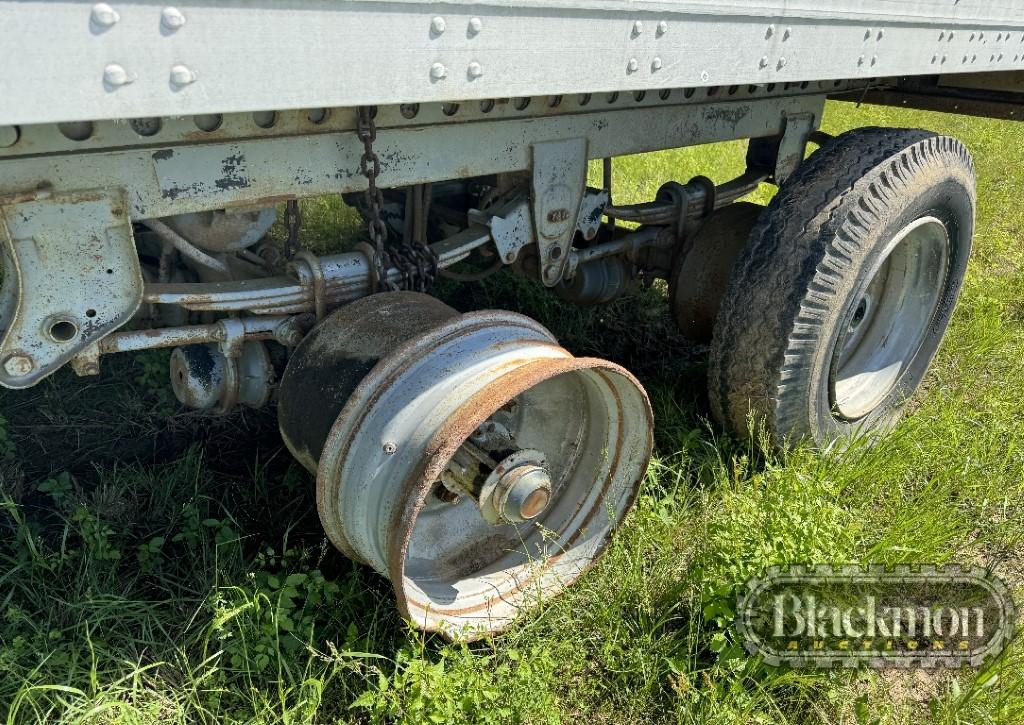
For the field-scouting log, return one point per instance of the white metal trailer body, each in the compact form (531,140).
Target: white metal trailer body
(77,61)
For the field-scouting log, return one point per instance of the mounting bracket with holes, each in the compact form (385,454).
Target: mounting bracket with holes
(71,276)
(559,180)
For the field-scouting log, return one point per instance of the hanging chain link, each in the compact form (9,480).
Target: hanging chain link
(417,263)
(369,166)
(292,224)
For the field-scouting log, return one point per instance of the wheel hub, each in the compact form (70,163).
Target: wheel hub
(518,489)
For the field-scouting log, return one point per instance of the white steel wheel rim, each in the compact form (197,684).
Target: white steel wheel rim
(889,318)
(553,550)
(401,426)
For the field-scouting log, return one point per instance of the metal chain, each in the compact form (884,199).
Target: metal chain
(417,263)
(369,166)
(292,223)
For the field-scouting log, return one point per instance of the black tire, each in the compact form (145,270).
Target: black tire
(788,319)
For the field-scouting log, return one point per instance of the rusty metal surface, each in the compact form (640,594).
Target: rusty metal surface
(224,230)
(332,360)
(281,328)
(423,397)
(346,277)
(356,414)
(71,276)
(701,270)
(204,378)
(559,179)
(522,576)
(179,176)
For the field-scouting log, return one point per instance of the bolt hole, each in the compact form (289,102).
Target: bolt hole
(208,122)
(639,95)
(554,101)
(556,252)
(110,271)
(803,85)
(76,130)
(487,105)
(688,92)
(664,93)
(751,89)
(63,330)
(585,99)
(409,110)
(146,126)
(521,103)
(770,87)
(265,119)
(733,89)
(449,109)
(318,115)
(859,313)
(90,312)
(612,97)
(712,91)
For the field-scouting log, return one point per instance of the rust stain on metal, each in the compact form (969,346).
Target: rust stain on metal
(447,440)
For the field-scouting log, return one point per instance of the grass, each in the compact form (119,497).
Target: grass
(160,565)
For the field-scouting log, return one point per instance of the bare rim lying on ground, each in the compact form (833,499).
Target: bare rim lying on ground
(471,459)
